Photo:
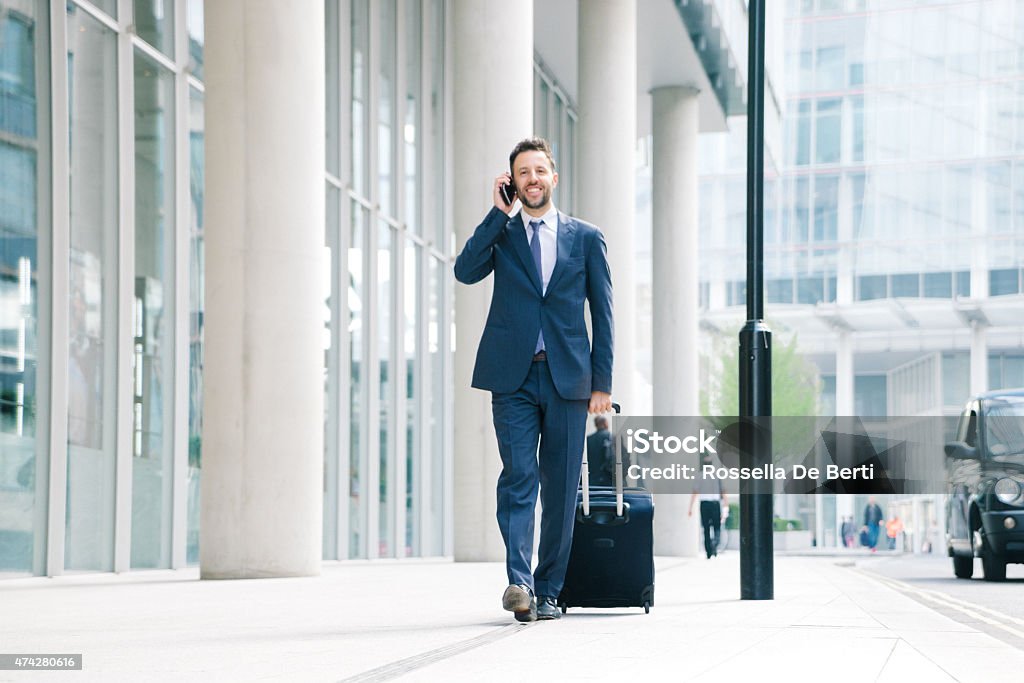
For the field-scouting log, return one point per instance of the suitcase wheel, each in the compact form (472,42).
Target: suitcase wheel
(565,608)
(647,608)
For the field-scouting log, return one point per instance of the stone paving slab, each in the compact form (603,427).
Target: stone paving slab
(435,620)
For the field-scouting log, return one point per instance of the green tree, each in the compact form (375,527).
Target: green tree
(795,390)
(795,382)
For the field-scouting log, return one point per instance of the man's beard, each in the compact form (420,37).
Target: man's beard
(545,197)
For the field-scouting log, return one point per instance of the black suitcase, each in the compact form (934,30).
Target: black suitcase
(611,563)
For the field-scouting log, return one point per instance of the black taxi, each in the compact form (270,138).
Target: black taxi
(985,479)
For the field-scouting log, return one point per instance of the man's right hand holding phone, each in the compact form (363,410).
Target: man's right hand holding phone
(504,188)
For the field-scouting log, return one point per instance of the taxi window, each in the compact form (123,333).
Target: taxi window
(971,432)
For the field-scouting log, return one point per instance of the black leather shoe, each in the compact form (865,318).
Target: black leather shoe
(547,608)
(519,600)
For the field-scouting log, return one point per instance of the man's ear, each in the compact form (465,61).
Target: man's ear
(554,179)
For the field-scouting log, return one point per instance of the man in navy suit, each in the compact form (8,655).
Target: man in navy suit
(538,363)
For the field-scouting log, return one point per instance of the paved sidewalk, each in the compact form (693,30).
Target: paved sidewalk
(431,621)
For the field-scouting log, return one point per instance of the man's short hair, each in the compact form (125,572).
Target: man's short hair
(600,422)
(534,144)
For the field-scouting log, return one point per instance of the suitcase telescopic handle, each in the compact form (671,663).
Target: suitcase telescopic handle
(618,477)
(619,484)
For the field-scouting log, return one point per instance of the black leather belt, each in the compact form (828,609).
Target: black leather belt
(540,356)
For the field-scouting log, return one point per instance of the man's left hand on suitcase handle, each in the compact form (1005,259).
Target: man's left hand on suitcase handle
(600,402)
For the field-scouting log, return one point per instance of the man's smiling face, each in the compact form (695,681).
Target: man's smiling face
(535,180)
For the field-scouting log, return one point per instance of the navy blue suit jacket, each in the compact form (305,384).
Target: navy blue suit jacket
(519,309)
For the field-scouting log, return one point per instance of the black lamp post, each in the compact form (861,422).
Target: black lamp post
(756,568)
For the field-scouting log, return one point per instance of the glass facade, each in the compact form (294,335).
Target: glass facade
(126,216)
(385,170)
(893,216)
(153,314)
(196,257)
(554,118)
(25,186)
(99,324)
(899,185)
(94,222)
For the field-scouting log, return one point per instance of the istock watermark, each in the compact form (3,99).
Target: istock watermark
(646,441)
(895,455)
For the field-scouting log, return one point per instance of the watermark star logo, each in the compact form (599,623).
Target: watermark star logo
(642,441)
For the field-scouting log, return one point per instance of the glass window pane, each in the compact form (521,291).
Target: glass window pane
(196,31)
(108,6)
(798,229)
(355,302)
(332,376)
(24,196)
(386,405)
(830,69)
(995,374)
(938,285)
(779,291)
(557,131)
(436,343)
(154,22)
(93,268)
(806,60)
(1003,281)
(956,378)
(827,397)
(568,183)
(541,108)
(1000,197)
(386,107)
(871,287)
(801,134)
(1013,371)
(963,283)
(826,208)
(332,74)
(436,173)
(810,290)
(906,285)
(153,321)
(411,331)
(857,105)
(411,132)
(1005,370)
(1018,185)
(869,396)
(197,256)
(828,132)
(360,91)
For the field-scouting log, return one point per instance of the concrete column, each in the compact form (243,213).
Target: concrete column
(979,358)
(262,493)
(845,374)
(674,246)
(492,40)
(607,159)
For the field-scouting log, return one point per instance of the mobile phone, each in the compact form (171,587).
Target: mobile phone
(508,192)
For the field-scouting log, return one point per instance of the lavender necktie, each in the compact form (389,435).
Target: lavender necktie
(535,251)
